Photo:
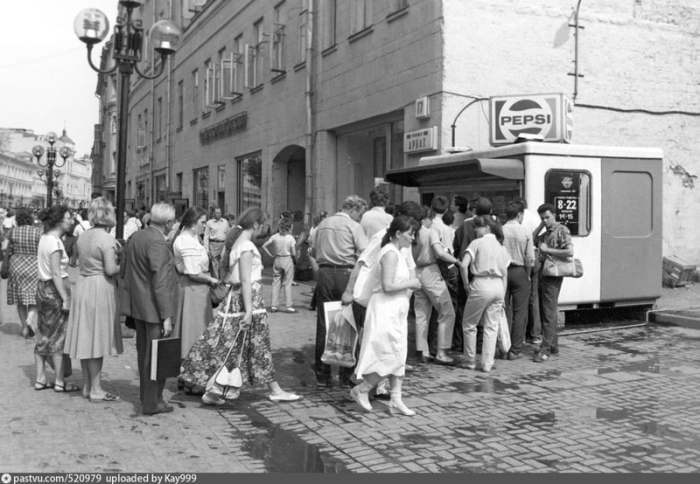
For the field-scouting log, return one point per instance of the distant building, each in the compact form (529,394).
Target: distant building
(295,104)
(20,182)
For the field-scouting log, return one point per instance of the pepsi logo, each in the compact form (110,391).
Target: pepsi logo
(567,182)
(520,116)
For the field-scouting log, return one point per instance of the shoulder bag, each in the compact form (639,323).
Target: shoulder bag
(561,267)
(224,380)
(5,271)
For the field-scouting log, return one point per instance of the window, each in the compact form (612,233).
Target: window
(195,93)
(145,127)
(140,133)
(160,188)
(250,181)
(361,15)
(328,20)
(254,57)
(208,87)
(178,183)
(570,193)
(200,181)
(159,119)
(180,104)
(277,58)
(303,30)
(397,5)
(230,86)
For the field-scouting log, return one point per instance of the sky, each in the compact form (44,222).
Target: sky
(46,83)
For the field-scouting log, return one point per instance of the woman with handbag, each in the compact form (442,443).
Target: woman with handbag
(194,305)
(243,312)
(53,300)
(21,259)
(93,328)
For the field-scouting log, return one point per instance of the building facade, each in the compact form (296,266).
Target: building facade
(23,179)
(296,104)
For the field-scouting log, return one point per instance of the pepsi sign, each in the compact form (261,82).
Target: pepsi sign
(546,115)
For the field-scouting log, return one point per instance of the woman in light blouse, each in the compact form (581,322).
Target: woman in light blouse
(243,309)
(192,265)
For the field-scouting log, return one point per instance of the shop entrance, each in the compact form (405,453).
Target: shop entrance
(288,180)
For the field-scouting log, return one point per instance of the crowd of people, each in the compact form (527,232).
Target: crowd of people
(468,275)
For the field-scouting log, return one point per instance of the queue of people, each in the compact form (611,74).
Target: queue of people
(460,278)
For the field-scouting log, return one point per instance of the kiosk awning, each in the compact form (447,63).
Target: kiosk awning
(483,169)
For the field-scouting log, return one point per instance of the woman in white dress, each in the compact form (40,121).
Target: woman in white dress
(384,342)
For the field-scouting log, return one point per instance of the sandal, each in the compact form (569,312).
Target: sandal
(190,388)
(67,387)
(108,397)
(42,386)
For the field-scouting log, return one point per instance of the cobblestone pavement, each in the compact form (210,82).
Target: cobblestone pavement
(612,401)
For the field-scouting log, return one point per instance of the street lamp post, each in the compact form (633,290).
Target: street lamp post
(50,163)
(91,26)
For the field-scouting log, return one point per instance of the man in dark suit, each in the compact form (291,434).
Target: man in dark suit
(149,295)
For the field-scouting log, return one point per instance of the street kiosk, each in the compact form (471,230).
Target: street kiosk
(610,198)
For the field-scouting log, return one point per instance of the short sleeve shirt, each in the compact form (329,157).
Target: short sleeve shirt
(257,266)
(93,247)
(339,240)
(48,244)
(190,255)
(425,255)
(489,257)
(558,237)
(282,245)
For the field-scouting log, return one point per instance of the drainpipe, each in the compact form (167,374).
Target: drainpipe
(577,28)
(310,65)
(168,116)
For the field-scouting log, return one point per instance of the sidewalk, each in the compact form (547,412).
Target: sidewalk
(614,401)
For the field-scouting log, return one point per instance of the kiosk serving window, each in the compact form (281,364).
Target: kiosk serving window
(570,193)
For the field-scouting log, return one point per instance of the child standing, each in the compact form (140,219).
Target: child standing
(284,250)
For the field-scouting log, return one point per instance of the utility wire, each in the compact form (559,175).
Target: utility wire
(41,59)
(643,111)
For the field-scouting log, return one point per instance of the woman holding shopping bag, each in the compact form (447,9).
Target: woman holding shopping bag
(384,341)
(243,309)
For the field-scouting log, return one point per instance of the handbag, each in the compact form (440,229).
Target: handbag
(558,267)
(218,293)
(5,271)
(224,379)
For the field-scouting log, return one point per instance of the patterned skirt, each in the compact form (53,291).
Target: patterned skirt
(210,351)
(51,319)
(24,276)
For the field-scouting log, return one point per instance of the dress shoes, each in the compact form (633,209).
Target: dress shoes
(362,399)
(163,409)
(514,356)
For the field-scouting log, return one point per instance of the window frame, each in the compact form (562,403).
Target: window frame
(584,206)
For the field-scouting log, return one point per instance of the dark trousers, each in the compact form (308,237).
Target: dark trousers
(461,301)
(534,325)
(330,287)
(452,280)
(517,296)
(151,392)
(549,311)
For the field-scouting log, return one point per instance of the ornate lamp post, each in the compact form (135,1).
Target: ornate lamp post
(50,163)
(91,26)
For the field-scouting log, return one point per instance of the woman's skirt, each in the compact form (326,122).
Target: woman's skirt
(51,319)
(253,347)
(24,276)
(91,332)
(193,313)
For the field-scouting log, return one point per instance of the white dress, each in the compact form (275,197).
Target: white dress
(385,338)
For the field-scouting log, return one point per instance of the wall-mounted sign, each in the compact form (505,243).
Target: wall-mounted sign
(546,115)
(421,140)
(422,108)
(225,128)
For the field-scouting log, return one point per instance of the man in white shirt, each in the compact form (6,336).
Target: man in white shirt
(9,220)
(533,332)
(214,237)
(376,218)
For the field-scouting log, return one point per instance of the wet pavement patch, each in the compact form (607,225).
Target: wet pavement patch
(490,385)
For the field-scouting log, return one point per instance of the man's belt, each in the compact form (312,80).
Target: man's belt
(426,265)
(217,240)
(332,266)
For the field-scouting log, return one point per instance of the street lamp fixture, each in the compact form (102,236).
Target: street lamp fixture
(50,163)
(92,26)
